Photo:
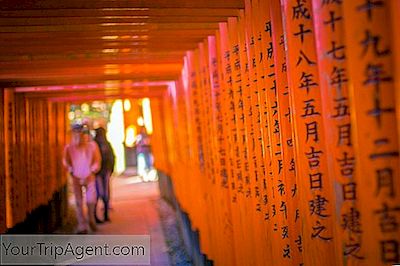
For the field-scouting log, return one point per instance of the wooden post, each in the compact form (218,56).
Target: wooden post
(234,172)
(332,62)
(372,91)
(293,250)
(3,213)
(255,142)
(316,186)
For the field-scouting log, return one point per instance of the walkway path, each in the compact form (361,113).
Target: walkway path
(134,211)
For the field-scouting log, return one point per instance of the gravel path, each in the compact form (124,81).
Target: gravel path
(172,234)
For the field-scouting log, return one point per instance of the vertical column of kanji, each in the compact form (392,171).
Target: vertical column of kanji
(214,236)
(238,130)
(331,51)
(202,149)
(201,142)
(207,169)
(256,55)
(236,30)
(371,68)
(216,197)
(254,142)
(200,133)
(194,124)
(189,186)
(248,168)
(231,131)
(191,132)
(221,146)
(250,163)
(226,183)
(258,99)
(316,188)
(3,214)
(293,248)
(278,213)
(269,201)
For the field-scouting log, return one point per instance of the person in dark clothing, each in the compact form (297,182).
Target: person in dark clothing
(103,176)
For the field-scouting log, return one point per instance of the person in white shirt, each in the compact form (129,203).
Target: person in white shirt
(82,159)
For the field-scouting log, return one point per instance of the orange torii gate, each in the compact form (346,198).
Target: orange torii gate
(301,133)
(281,133)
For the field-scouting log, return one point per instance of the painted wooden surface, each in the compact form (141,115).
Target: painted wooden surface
(278,121)
(311,130)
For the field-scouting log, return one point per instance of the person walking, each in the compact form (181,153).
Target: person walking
(82,159)
(143,150)
(104,174)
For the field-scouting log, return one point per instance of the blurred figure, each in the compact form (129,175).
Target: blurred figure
(82,160)
(103,176)
(143,150)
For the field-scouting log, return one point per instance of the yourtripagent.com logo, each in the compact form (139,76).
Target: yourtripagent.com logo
(75,249)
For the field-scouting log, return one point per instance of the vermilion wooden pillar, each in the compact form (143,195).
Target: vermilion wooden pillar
(10,142)
(231,118)
(254,136)
(293,250)
(371,69)
(228,182)
(334,81)
(316,183)
(2,166)
(221,189)
(208,176)
(196,139)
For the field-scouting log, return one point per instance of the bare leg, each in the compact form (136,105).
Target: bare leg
(77,188)
(91,201)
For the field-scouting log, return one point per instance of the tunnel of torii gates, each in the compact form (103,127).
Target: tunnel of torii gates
(277,121)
